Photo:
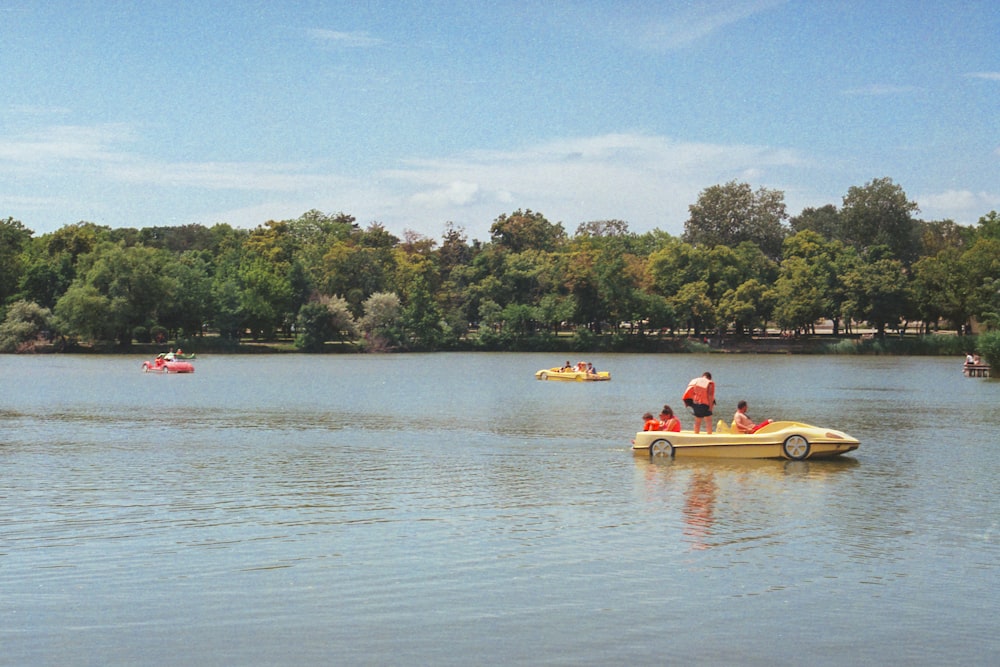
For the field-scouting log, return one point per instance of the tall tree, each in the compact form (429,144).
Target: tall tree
(116,290)
(733,213)
(824,220)
(14,237)
(878,293)
(879,213)
(526,230)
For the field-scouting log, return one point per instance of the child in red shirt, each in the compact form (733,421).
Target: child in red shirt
(649,423)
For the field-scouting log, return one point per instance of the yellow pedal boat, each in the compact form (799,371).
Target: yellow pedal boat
(573,376)
(777,440)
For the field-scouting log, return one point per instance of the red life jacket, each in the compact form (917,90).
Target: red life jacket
(697,391)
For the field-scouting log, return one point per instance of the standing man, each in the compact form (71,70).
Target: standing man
(700,396)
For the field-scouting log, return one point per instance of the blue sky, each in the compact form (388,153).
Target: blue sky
(415,114)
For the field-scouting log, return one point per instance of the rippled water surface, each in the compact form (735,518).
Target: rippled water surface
(450,509)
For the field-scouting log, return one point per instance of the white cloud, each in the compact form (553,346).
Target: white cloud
(97,143)
(31,110)
(456,193)
(694,22)
(336,38)
(989,76)
(950,203)
(881,89)
(241,176)
(647,180)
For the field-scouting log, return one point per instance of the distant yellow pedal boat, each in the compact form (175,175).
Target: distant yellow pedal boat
(572,376)
(777,440)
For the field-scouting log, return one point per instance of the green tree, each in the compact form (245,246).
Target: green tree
(747,307)
(360,266)
(942,288)
(809,286)
(981,264)
(421,318)
(188,303)
(326,318)
(265,296)
(129,282)
(14,237)
(988,226)
(879,214)
(86,313)
(824,220)
(45,277)
(526,230)
(733,213)
(800,295)
(381,321)
(878,293)
(693,307)
(24,324)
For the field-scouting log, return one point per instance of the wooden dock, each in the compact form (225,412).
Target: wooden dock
(976,370)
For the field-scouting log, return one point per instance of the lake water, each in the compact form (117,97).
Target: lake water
(449,509)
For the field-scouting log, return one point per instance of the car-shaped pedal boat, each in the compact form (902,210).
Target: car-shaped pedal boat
(167,367)
(777,440)
(572,376)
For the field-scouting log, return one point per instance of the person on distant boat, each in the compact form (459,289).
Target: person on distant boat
(179,353)
(649,423)
(568,368)
(669,421)
(590,369)
(700,397)
(969,359)
(169,356)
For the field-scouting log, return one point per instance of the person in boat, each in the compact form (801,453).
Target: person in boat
(700,397)
(568,368)
(179,353)
(169,356)
(650,423)
(581,367)
(741,422)
(160,360)
(590,369)
(669,421)
(969,359)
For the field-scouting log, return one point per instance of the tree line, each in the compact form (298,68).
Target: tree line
(741,265)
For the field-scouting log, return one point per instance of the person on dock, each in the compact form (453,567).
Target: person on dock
(700,397)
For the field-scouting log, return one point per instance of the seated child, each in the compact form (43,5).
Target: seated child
(650,424)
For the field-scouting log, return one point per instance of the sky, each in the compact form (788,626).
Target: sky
(415,115)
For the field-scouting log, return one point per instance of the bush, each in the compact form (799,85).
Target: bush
(24,323)
(988,347)
(141,335)
(926,345)
(158,334)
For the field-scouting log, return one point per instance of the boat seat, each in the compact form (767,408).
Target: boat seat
(722,427)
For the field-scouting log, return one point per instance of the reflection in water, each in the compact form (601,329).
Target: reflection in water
(699,504)
(720,502)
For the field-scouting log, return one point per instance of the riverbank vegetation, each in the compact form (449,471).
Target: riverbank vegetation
(864,276)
